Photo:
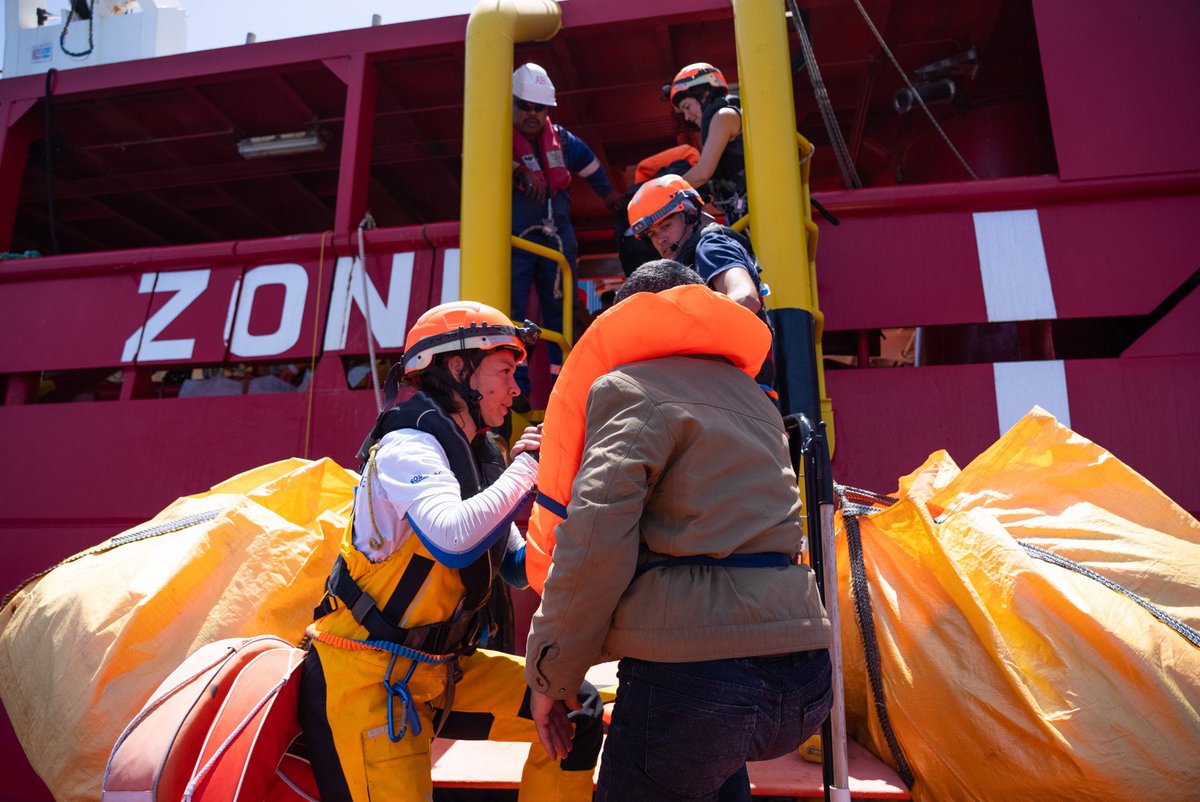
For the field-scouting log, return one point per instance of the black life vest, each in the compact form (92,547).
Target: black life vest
(729,178)
(475,465)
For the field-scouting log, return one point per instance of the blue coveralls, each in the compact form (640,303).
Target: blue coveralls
(530,269)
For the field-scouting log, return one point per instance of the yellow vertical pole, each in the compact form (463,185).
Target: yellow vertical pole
(776,193)
(485,229)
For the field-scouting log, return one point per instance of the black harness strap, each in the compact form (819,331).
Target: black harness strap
(380,624)
(407,588)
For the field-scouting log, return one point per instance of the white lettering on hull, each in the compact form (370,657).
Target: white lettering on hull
(352,288)
(389,321)
(142,344)
(294,280)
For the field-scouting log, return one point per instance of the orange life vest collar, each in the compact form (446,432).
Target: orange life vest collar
(680,321)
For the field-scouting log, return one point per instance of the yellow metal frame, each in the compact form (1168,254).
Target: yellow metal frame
(566,337)
(777,182)
(486,220)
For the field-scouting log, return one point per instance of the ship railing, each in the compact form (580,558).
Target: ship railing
(563,339)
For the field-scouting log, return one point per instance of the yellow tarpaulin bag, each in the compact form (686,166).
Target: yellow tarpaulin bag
(1007,676)
(83,646)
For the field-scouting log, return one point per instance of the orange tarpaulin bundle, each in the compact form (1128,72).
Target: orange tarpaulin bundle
(1006,676)
(84,646)
(649,167)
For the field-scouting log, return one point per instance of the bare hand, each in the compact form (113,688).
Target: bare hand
(530,440)
(537,192)
(534,186)
(553,728)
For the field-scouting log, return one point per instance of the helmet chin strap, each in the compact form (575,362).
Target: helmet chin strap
(470,396)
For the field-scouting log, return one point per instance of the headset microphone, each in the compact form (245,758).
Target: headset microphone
(673,247)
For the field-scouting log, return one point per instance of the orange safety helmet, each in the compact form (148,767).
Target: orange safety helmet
(460,326)
(699,74)
(661,198)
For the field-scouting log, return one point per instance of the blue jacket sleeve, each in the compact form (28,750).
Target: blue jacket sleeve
(582,162)
(718,252)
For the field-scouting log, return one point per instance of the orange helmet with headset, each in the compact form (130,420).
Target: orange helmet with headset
(700,74)
(462,326)
(660,198)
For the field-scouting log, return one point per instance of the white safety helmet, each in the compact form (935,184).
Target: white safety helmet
(531,84)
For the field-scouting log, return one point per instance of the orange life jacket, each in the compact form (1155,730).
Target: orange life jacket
(682,320)
(650,166)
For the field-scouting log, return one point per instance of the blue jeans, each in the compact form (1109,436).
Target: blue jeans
(685,730)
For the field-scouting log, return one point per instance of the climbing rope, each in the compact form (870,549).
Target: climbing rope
(312,363)
(863,504)
(395,690)
(887,50)
(840,150)
(1189,634)
(119,540)
(338,641)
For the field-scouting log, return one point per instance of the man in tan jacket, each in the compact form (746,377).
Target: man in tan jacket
(678,555)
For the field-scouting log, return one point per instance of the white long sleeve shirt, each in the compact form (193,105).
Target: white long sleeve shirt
(411,490)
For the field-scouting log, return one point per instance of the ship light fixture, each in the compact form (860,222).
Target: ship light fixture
(281,144)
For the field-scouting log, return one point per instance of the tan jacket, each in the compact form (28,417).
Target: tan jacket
(683,456)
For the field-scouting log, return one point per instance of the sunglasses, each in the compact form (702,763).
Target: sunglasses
(534,107)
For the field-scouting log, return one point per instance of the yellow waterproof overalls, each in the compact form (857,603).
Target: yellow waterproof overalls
(374,694)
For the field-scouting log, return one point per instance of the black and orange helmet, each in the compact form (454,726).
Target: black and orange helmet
(695,75)
(660,198)
(462,326)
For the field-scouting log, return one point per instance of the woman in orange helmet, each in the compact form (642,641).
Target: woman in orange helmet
(396,651)
(701,93)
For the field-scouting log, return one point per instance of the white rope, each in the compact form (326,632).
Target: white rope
(368,222)
(199,775)
(299,791)
(548,228)
(158,701)
(913,89)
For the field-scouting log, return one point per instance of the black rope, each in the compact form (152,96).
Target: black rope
(119,540)
(856,502)
(91,21)
(1189,634)
(48,158)
(861,594)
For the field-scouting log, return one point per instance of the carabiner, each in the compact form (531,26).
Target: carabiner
(409,713)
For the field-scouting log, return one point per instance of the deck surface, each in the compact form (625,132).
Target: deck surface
(492,764)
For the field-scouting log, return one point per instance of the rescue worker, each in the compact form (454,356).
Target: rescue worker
(668,212)
(675,549)
(395,656)
(544,157)
(701,93)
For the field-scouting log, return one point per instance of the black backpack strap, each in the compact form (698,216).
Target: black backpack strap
(379,623)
